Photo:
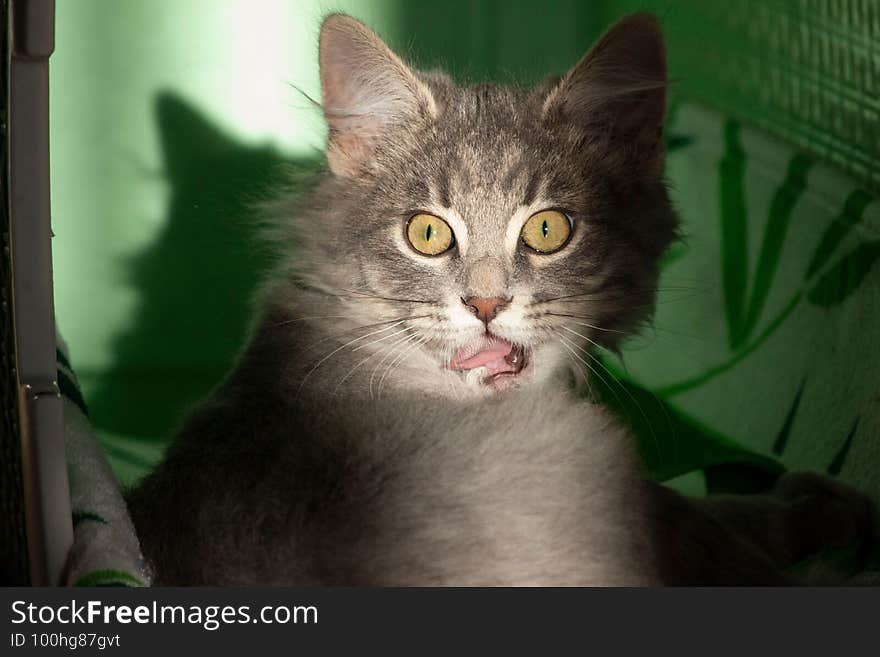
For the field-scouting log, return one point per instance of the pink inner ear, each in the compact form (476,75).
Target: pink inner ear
(350,143)
(366,89)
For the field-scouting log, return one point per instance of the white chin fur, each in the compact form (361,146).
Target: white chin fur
(474,378)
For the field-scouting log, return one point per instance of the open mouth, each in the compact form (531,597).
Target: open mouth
(502,360)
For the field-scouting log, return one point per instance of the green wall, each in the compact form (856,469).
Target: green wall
(171,120)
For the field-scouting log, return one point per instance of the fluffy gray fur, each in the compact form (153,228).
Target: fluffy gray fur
(341,450)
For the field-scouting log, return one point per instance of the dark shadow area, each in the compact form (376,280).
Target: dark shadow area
(520,41)
(14,565)
(196,281)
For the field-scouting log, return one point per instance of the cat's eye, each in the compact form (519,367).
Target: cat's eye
(546,231)
(429,234)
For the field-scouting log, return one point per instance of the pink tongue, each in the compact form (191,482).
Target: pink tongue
(491,357)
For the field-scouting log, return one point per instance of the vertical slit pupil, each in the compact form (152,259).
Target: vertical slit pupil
(429,230)
(545,228)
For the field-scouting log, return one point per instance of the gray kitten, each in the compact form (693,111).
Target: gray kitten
(405,411)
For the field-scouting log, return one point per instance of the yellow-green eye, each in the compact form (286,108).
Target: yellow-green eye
(546,231)
(429,234)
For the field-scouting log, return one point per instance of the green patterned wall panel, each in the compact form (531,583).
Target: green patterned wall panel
(765,335)
(806,70)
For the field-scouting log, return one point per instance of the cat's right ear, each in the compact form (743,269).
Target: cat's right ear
(618,89)
(366,90)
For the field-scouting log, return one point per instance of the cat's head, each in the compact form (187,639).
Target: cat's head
(482,237)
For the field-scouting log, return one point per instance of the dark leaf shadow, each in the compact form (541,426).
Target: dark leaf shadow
(781,441)
(781,209)
(836,464)
(734,233)
(845,276)
(853,208)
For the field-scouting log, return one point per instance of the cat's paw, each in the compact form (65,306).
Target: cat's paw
(829,514)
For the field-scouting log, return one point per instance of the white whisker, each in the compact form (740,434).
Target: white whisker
(587,324)
(340,348)
(619,384)
(399,319)
(369,344)
(391,365)
(385,349)
(385,358)
(305,319)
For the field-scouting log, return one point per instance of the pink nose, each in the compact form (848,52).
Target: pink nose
(485,308)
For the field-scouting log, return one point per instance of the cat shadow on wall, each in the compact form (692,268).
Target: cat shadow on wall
(196,281)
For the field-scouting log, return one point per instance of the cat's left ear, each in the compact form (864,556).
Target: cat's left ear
(617,92)
(366,91)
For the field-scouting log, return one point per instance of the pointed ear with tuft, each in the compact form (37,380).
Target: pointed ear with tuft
(366,91)
(617,91)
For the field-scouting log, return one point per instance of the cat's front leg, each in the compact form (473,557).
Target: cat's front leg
(804,514)
(755,539)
